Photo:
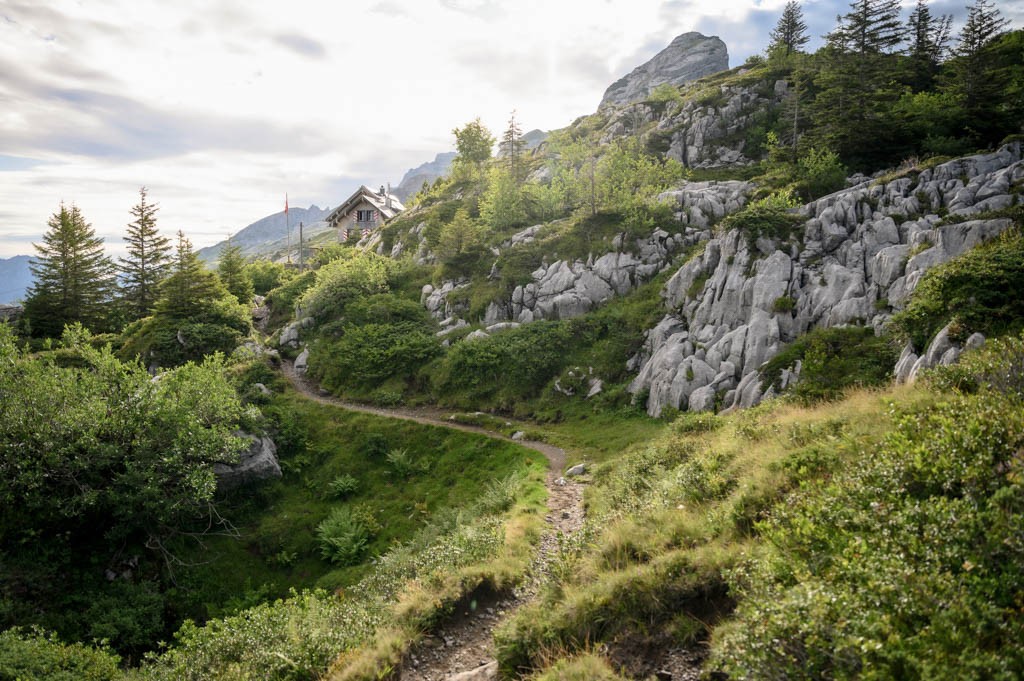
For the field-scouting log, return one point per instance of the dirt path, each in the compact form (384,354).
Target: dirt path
(462,648)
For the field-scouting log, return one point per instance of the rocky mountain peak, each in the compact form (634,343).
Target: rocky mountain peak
(689,57)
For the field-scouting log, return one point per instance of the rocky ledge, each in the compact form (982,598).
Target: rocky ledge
(855,260)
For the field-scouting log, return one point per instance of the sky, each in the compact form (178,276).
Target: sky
(222,107)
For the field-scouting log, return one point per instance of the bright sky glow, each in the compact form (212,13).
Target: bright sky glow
(220,107)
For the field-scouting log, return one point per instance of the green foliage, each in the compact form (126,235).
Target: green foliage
(233,274)
(148,259)
(267,275)
(73,279)
(96,456)
(404,464)
(32,654)
(460,242)
(366,355)
(833,360)
(666,93)
(473,142)
(343,536)
(195,316)
(514,363)
(819,172)
(282,299)
(502,206)
(770,217)
(855,564)
(783,304)
(343,280)
(997,369)
(343,486)
(974,292)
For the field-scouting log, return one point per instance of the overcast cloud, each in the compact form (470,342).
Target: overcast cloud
(221,107)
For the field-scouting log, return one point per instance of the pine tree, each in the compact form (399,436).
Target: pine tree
(790,34)
(233,275)
(190,288)
(857,82)
(974,78)
(512,147)
(148,258)
(872,27)
(928,43)
(73,277)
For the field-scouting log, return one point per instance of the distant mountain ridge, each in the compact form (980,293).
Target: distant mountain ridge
(414,178)
(15,278)
(271,233)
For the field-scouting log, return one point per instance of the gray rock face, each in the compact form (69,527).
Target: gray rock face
(302,362)
(689,57)
(861,255)
(258,462)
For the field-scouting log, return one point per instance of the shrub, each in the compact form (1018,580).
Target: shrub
(343,486)
(34,654)
(784,304)
(769,217)
(365,356)
(820,172)
(978,291)
(833,360)
(343,536)
(906,563)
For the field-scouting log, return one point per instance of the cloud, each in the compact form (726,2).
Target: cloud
(301,45)
(488,10)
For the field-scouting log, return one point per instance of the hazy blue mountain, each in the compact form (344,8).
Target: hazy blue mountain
(15,278)
(271,233)
(414,178)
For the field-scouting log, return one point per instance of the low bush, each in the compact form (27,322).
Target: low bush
(343,536)
(833,360)
(978,291)
(33,654)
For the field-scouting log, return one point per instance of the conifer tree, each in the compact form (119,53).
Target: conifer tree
(790,34)
(857,82)
(974,79)
(928,43)
(871,27)
(512,147)
(73,277)
(190,288)
(148,258)
(233,274)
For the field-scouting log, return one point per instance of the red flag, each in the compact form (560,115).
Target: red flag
(286,204)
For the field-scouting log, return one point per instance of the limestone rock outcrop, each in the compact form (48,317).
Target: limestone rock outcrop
(855,260)
(258,462)
(689,57)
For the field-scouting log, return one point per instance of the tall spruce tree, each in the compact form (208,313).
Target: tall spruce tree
(233,274)
(790,34)
(73,277)
(929,38)
(975,80)
(148,258)
(871,27)
(190,288)
(857,83)
(511,146)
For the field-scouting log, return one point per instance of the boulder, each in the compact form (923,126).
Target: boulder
(302,362)
(578,469)
(258,462)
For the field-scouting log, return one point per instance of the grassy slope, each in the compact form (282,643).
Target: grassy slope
(671,517)
(278,548)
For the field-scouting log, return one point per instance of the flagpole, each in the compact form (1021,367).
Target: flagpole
(300,245)
(288,231)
